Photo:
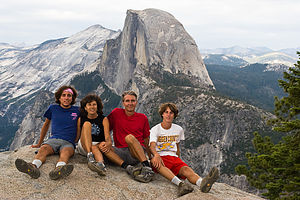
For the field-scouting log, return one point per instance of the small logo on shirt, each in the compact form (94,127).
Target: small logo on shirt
(74,115)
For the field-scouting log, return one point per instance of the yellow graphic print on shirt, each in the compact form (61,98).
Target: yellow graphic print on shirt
(166,142)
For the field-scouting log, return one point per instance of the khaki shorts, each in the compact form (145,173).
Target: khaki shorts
(80,149)
(58,144)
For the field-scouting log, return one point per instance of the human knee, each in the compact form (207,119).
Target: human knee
(130,139)
(186,171)
(45,149)
(86,127)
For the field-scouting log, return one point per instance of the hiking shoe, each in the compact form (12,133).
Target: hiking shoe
(209,180)
(98,167)
(61,172)
(133,170)
(27,168)
(184,188)
(146,175)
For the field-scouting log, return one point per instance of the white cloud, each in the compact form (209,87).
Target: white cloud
(213,23)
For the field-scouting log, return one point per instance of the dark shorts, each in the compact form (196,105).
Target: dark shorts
(125,155)
(58,144)
(174,164)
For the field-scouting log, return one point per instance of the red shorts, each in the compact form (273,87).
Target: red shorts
(173,163)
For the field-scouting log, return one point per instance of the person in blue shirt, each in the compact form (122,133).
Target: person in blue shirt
(65,132)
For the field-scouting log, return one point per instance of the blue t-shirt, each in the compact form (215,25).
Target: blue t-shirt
(63,122)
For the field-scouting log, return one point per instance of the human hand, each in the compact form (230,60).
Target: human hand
(35,146)
(157,162)
(104,147)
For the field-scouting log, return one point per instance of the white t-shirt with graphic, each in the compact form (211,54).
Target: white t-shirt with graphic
(166,139)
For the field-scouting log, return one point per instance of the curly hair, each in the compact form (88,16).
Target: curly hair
(88,99)
(163,107)
(60,90)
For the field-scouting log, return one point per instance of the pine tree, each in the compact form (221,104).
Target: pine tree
(275,168)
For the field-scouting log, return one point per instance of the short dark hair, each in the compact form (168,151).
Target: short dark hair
(163,107)
(88,99)
(129,92)
(60,90)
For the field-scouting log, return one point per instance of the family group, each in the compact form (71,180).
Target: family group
(139,150)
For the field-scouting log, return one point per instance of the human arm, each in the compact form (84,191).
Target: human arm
(43,133)
(178,149)
(78,130)
(106,146)
(156,160)
(146,144)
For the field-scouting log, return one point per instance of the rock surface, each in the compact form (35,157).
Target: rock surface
(85,184)
(152,40)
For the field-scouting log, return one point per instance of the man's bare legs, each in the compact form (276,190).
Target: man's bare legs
(135,148)
(183,188)
(43,152)
(145,174)
(206,183)
(62,169)
(189,174)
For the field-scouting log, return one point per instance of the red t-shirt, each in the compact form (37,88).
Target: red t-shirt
(122,125)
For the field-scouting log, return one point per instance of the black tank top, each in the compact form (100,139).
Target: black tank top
(97,127)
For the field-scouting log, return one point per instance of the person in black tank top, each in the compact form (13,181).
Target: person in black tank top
(94,133)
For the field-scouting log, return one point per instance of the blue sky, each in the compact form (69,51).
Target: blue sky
(212,23)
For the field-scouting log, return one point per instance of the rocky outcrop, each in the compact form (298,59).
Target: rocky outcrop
(151,40)
(85,184)
(29,131)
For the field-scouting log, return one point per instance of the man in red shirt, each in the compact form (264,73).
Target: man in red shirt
(131,133)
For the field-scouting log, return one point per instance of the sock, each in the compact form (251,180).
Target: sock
(198,182)
(37,163)
(176,180)
(60,164)
(146,163)
(89,154)
(124,165)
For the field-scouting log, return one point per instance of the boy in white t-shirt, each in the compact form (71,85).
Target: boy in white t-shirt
(164,146)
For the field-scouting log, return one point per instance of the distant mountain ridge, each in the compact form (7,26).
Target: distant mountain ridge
(67,56)
(256,84)
(262,55)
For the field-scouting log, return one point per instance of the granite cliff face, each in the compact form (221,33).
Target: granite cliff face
(151,41)
(85,184)
(29,131)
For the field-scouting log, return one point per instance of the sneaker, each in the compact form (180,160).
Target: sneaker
(146,175)
(209,180)
(27,168)
(61,172)
(184,188)
(98,167)
(133,170)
